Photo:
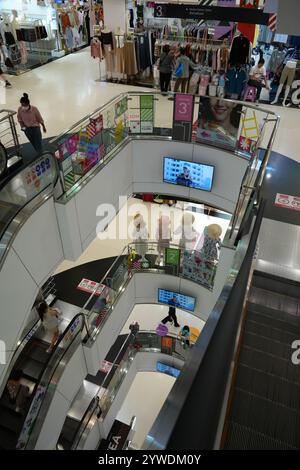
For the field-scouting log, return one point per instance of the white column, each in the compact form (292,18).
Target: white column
(115,14)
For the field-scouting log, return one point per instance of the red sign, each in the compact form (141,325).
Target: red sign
(287,202)
(89,286)
(106,367)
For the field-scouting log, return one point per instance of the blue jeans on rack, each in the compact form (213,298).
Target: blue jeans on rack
(34,135)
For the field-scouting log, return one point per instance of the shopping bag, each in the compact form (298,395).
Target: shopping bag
(179,71)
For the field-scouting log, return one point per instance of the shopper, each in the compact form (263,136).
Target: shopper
(18,393)
(185,336)
(258,78)
(50,319)
(165,68)
(163,235)
(171,317)
(182,71)
(140,235)
(30,120)
(2,78)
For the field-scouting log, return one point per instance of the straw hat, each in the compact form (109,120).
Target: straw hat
(214,231)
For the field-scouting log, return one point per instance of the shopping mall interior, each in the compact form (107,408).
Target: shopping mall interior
(149,225)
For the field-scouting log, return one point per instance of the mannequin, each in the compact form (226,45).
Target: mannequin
(288,75)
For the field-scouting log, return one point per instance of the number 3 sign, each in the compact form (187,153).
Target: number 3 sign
(184,106)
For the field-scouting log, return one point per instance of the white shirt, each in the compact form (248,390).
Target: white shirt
(258,73)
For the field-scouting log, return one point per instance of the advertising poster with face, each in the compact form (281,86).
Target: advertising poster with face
(218,122)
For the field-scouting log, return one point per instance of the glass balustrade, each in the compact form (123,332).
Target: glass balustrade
(225,124)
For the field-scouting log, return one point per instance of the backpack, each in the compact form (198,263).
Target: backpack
(179,71)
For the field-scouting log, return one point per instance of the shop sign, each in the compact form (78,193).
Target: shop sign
(172,256)
(198,12)
(183,117)
(287,202)
(38,176)
(147,114)
(117,437)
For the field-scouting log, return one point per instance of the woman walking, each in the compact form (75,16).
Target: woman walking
(30,120)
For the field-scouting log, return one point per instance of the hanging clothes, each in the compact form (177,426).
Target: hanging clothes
(276,59)
(130,58)
(236,79)
(240,50)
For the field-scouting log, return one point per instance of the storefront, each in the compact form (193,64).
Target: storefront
(223,48)
(36,32)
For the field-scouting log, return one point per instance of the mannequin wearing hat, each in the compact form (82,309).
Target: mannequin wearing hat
(212,241)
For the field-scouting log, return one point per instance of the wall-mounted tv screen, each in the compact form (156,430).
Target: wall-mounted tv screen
(192,175)
(165,369)
(176,300)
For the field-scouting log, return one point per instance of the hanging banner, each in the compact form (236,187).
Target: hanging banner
(218,122)
(224,27)
(183,117)
(246,28)
(198,12)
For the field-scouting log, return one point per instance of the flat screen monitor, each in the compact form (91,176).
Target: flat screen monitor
(176,300)
(189,174)
(165,369)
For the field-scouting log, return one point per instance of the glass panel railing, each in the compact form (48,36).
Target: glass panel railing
(21,190)
(43,392)
(221,123)
(90,142)
(197,266)
(145,341)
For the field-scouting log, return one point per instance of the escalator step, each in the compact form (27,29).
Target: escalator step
(268,386)
(267,345)
(280,314)
(242,438)
(8,439)
(70,428)
(38,353)
(275,365)
(266,417)
(31,369)
(281,325)
(11,420)
(273,333)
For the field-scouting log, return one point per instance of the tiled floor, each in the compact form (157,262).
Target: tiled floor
(66,90)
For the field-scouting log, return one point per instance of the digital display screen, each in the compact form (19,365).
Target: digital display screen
(165,369)
(189,174)
(176,300)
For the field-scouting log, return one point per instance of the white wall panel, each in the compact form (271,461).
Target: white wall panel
(38,243)
(53,424)
(73,376)
(17,294)
(113,180)
(69,229)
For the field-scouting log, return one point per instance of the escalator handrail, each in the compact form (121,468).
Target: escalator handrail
(33,421)
(93,406)
(16,353)
(19,223)
(79,434)
(197,398)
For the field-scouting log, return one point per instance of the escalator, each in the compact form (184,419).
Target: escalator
(32,363)
(265,406)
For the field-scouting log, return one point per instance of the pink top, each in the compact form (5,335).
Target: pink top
(30,118)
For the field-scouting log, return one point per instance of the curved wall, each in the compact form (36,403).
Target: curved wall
(33,256)
(56,232)
(138,168)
